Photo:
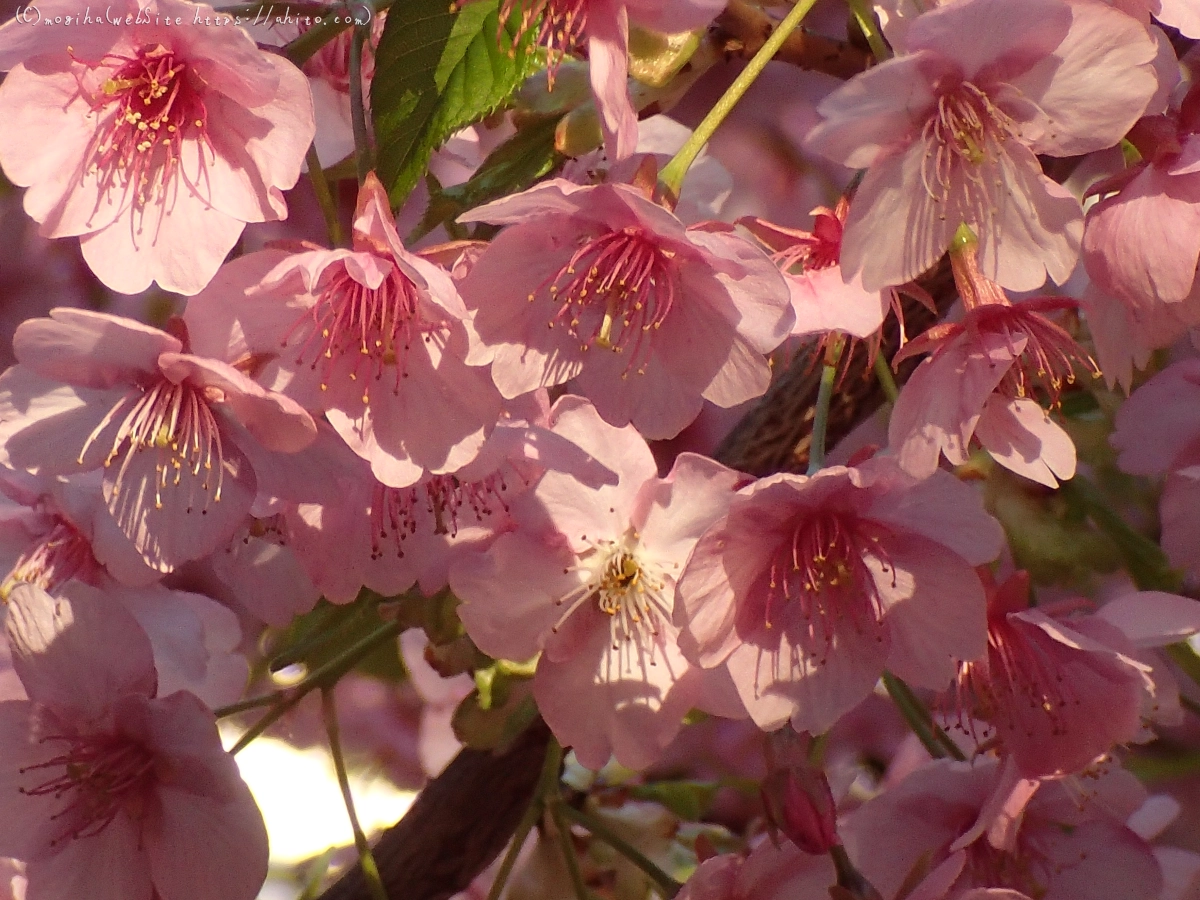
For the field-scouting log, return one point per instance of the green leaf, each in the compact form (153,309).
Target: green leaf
(687,799)
(512,167)
(436,72)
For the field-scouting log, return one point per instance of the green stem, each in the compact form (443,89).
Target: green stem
(816,453)
(667,885)
(222,712)
(671,177)
(547,786)
(883,374)
(568,849)
(366,860)
(301,50)
(865,18)
(320,185)
(936,741)
(363,152)
(322,677)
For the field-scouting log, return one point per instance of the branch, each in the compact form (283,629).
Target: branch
(744,28)
(459,823)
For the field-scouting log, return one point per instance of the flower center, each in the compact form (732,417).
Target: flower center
(965,132)
(438,502)
(360,331)
(97,776)
(614,291)
(822,576)
(173,421)
(58,556)
(1051,356)
(151,107)
(634,596)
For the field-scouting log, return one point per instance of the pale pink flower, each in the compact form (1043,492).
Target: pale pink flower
(436,741)
(822,298)
(588,579)
(389,539)
(156,145)
(109,791)
(375,336)
(1158,433)
(600,287)
(1060,689)
(599,30)
(1056,840)
(811,586)
(51,537)
(167,427)
(950,129)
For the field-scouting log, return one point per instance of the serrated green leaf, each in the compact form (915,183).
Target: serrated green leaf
(437,71)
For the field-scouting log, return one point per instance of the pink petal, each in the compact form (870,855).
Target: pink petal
(90,349)
(877,111)
(78,653)
(945,619)
(204,838)
(1153,618)
(608,56)
(1022,437)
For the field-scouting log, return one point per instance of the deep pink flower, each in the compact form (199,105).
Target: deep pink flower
(810,587)
(1055,840)
(950,129)
(168,427)
(107,790)
(1060,689)
(984,380)
(375,336)
(154,144)
(599,30)
(588,579)
(822,299)
(599,287)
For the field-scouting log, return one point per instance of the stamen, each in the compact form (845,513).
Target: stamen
(100,775)
(614,291)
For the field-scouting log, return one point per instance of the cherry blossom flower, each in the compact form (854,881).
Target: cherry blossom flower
(1140,244)
(822,299)
(599,287)
(811,586)
(950,129)
(766,873)
(155,145)
(587,579)
(599,30)
(1049,839)
(1158,433)
(46,540)
(982,379)
(375,336)
(108,790)
(167,427)
(389,539)
(1061,689)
